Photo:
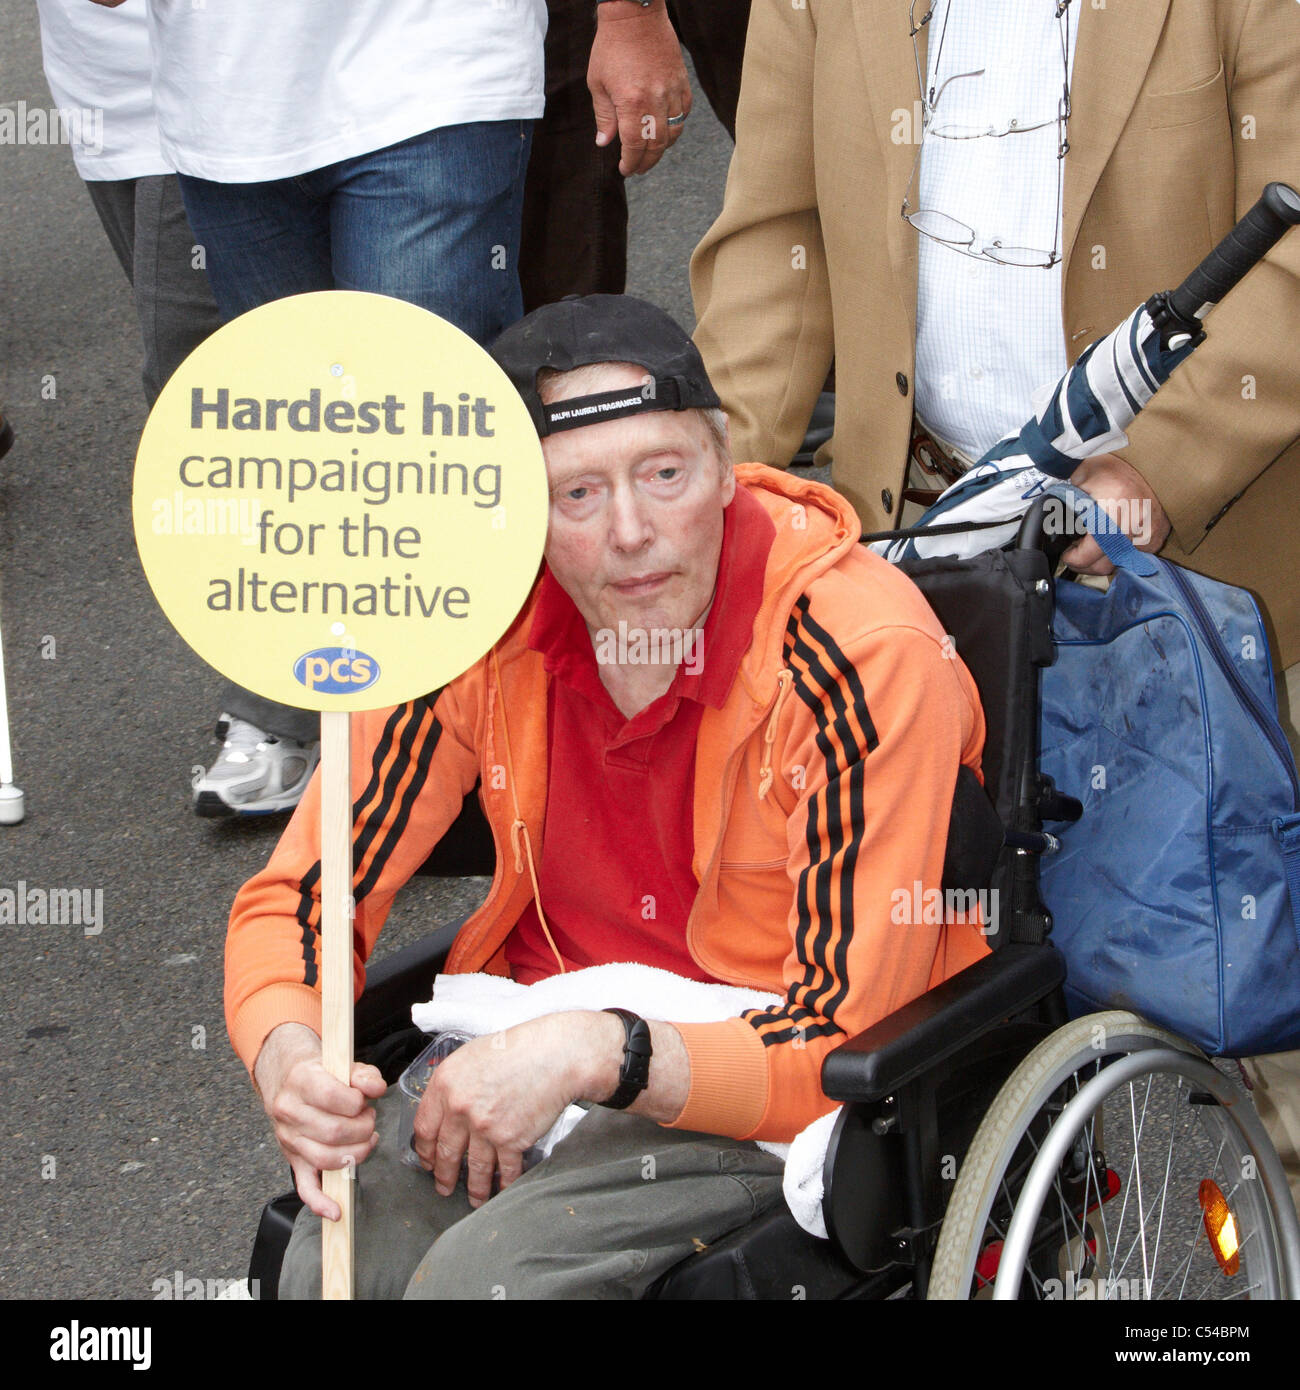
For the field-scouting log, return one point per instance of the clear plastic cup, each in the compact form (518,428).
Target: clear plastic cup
(415,1079)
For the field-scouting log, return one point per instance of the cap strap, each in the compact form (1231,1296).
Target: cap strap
(655,394)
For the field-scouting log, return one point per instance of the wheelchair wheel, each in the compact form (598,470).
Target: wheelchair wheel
(1117,1162)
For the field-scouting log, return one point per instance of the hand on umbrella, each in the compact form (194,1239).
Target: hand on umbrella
(1123,493)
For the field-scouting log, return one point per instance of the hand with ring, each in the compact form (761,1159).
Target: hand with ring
(639,88)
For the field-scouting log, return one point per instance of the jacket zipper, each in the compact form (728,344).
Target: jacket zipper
(730,776)
(501,846)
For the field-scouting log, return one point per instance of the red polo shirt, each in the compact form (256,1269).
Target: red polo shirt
(615,873)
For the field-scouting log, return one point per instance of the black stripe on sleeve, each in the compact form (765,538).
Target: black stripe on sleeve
(408,719)
(822,674)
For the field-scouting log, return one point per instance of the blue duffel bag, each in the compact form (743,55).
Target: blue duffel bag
(1177,894)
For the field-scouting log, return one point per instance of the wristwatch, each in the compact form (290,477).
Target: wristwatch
(634,1075)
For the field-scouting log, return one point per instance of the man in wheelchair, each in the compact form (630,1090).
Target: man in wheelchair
(721,739)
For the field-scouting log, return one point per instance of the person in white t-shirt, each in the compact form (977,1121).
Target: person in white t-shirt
(378,145)
(98,67)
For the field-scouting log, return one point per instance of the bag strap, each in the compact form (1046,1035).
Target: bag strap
(1115,545)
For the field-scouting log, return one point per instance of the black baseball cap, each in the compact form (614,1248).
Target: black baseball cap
(582,330)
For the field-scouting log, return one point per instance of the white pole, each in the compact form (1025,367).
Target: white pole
(11,798)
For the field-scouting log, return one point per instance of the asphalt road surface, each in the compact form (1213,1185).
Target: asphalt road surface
(134,1146)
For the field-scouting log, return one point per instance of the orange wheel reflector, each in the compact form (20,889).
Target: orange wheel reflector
(1220,1227)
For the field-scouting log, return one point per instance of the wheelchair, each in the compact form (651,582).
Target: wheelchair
(987,1146)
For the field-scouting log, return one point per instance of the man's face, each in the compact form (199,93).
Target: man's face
(636,515)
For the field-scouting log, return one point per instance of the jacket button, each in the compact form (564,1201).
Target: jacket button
(887,500)
(901,382)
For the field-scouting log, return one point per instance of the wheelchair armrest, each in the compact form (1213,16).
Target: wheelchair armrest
(941,1022)
(400,980)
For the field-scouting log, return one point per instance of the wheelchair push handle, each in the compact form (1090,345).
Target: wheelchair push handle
(1180,311)
(1036,534)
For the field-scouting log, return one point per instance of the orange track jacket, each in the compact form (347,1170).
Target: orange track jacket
(822,794)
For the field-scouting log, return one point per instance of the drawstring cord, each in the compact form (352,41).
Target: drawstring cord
(784,681)
(520,840)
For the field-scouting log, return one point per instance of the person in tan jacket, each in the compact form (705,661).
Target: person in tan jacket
(1178,113)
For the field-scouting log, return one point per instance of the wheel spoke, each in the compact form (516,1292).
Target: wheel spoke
(1137,1164)
(1138,1242)
(1191,1254)
(992,1225)
(1085,1137)
(1236,1293)
(1242,1293)
(1164,1193)
(1185,1267)
(1102,1197)
(1084,1231)
(1123,1209)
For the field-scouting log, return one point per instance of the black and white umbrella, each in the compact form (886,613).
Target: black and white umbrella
(1094,402)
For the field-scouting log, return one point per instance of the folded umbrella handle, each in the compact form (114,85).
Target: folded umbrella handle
(1181,310)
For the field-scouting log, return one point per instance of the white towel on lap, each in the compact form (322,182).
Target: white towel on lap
(478,1004)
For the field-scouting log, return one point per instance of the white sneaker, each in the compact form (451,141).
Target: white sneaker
(255,773)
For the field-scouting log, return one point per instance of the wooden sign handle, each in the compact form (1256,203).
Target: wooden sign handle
(336,977)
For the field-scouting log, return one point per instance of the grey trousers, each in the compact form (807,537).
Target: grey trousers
(619,1202)
(145,222)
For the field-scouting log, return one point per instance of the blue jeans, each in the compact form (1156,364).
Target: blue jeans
(433,220)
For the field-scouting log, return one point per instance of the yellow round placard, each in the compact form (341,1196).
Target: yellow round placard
(340,501)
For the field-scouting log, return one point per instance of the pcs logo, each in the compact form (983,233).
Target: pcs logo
(336,670)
